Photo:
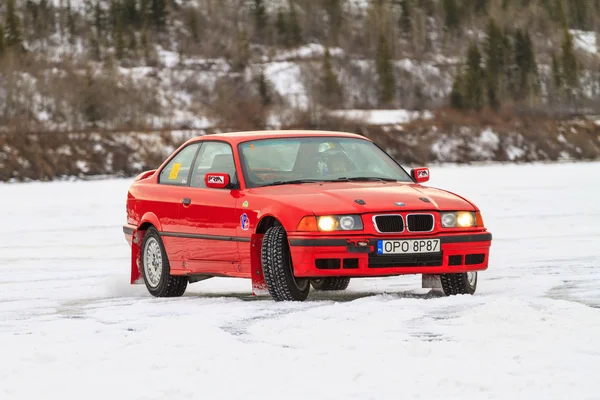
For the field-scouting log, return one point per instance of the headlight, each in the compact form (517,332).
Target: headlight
(461,219)
(330,223)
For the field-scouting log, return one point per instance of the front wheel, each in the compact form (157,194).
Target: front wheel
(278,268)
(156,269)
(335,283)
(464,283)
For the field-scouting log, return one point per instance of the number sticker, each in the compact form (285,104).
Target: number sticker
(175,171)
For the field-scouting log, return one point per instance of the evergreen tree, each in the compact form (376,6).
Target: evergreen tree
(281,27)
(480,6)
(570,65)
(132,44)
(405,18)
(91,111)
(144,12)
(145,43)
(98,19)
(95,48)
(158,13)
(13,33)
(473,89)
(456,95)
(578,14)
(2,45)
(193,25)
(526,66)
(131,14)
(261,19)
(452,13)
(295,33)
(385,72)
(331,91)
(264,91)
(114,12)
(70,23)
(335,15)
(241,57)
(494,61)
(118,36)
(557,78)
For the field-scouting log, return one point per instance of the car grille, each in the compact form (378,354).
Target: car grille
(389,223)
(420,222)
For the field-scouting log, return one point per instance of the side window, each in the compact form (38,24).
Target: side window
(177,171)
(213,157)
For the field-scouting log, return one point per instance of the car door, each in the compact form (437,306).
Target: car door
(209,214)
(165,199)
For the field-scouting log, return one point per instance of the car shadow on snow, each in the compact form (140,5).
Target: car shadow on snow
(337,296)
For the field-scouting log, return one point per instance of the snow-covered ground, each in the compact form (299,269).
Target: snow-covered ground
(72,328)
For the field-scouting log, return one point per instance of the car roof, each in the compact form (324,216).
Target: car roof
(238,137)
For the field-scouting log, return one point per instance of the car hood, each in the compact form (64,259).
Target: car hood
(342,197)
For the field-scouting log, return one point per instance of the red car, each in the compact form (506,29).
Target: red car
(295,209)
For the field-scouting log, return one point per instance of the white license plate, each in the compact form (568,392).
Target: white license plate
(408,246)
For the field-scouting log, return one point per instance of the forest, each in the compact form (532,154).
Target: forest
(68,65)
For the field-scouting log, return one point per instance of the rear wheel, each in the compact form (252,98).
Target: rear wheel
(464,283)
(278,268)
(156,269)
(334,283)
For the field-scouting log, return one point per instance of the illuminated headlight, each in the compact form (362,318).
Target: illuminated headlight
(330,223)
(460,219)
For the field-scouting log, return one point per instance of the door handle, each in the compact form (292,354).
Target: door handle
(186,201)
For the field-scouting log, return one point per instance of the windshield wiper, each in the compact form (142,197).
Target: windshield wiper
(292,182)
(364,179)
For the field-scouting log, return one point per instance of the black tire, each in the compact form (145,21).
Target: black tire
(278,268)
(454,284)
(334,283)
(168,285)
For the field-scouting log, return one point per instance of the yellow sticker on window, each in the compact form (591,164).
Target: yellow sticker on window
(175,171)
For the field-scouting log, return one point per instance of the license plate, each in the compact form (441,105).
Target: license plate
(408,246)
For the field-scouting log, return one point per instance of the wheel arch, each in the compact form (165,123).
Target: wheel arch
(148,220)
(265,222)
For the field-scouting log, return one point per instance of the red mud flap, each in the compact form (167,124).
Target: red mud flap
(136,259)
(430,281)
(259,286)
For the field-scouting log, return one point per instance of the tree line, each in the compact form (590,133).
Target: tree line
(500,67)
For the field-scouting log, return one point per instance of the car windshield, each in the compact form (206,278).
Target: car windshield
(280,161)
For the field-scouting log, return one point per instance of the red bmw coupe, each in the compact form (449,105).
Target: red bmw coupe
(295,209)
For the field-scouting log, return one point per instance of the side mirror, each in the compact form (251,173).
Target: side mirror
(420,174)
(216,180)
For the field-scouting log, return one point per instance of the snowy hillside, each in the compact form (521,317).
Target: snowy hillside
(71,327)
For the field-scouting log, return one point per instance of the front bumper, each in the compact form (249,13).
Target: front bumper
(338,256)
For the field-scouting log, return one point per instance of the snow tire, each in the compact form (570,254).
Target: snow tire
(334,283)
(168,285)
(278,268)
(454,284)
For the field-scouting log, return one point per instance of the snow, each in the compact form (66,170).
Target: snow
(286,78)
(70,321)
(382,117)
(585,40)
(309,51)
